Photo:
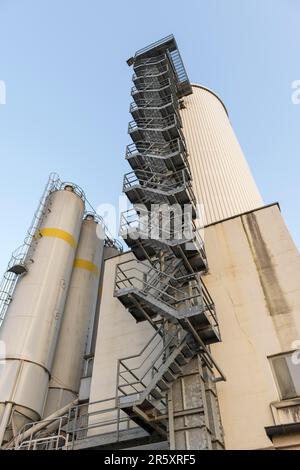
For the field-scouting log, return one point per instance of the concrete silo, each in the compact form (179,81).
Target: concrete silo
(222,180)
(31,326)
(78,319)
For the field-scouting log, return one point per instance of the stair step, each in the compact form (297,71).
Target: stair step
(187,351)
(163,385)
(155,393)
(175,368)
(181,359)
(169,377)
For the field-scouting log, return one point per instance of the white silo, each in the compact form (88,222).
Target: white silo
(222,180)
(78,318)
(32,322)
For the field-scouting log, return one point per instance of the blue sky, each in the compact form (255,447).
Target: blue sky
(67,86)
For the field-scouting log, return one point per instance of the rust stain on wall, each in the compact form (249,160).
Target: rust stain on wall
(274,296)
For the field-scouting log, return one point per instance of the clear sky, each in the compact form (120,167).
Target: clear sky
(67,92)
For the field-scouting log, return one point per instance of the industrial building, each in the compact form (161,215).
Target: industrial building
(187,340)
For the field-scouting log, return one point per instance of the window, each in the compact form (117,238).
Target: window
(286,371)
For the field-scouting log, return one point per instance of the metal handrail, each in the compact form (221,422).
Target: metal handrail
(155,123)
(141,372)
(171,227)
(164,181)
(154,86)
(173,300)
(73,428)
(153,103)
(154,45)
(32,444)
(166,184)
(132,356)
(154,80)
(180,279)
(166,345)
(160,69)
(170,281)
(169,46)
(158,149)
(149,61)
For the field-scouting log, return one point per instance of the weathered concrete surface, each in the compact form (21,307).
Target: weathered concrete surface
(254,279)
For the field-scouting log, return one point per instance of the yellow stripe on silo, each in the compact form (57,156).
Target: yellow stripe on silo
(85,264)
(57,233)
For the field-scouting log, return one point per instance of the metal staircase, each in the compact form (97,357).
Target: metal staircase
(163,285)
(144,379)
(144,289)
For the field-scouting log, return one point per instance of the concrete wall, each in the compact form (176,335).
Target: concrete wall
(254,274)
(254,281)
(118,335)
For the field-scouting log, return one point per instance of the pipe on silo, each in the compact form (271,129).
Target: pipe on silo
(31,326)
(78,318)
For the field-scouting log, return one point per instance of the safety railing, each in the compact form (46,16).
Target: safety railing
(153,104)
(180,71)
(154,80)
(155,86)
(155,123)
(135,372)
(165,181)
(6,292)
(155,45)
(158,70)
(99,419)
(167,184)
(156,149)
(171,54)
(178,293)
(29,439)
(56,442)
(149,280)
(165,224)
(150,63)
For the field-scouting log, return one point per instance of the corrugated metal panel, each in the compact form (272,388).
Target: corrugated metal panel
(223,182)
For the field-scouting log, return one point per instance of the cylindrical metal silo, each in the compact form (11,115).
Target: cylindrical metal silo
(77,323)
(222,180)
(33,319)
